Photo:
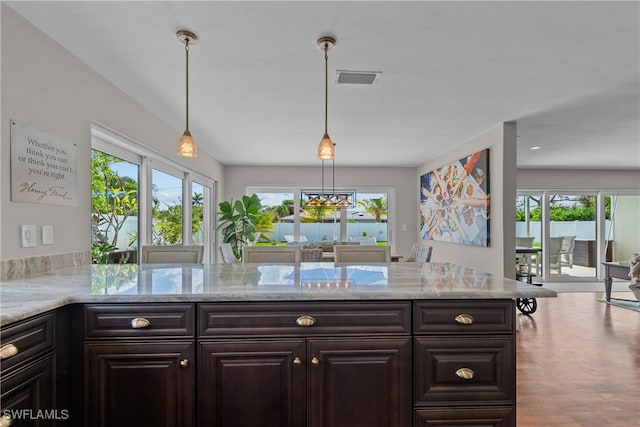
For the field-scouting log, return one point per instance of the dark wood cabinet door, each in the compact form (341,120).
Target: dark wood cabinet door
(28,396)
(360,382)
(252,383)
(140,384)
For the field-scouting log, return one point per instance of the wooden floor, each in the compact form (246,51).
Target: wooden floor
(578,363)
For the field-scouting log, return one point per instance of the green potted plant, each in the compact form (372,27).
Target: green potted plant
(238,220)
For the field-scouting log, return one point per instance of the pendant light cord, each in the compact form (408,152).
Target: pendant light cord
(326,86)
(186,50)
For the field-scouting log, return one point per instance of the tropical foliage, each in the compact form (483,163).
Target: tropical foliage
(114,199)
(375,207)
(238,220)
(561,208)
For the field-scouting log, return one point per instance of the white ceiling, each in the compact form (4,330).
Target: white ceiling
(566,72)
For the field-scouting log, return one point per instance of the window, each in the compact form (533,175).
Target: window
(577,231)
(166,225)
(140,197)
(284,209)
(114,206)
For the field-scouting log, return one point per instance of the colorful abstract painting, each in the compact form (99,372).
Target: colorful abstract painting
(455,201)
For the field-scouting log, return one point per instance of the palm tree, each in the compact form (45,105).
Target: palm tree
(376,207)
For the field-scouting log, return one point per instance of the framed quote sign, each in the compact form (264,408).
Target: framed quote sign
(43,167)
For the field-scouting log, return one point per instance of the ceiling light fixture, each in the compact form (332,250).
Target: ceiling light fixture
(326,149)
(187,145)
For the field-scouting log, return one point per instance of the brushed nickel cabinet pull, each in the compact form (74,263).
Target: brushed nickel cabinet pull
(305,321)
(465,373)
(315,362)
(464,319)
(184,363)
(140,323)
(7,351)
(297,361)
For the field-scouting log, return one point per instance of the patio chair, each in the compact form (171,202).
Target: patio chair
(271,254)
(568,244)
(361,253)
(290,238)
(173,254)
(525,242)
(364,240)
(555,252)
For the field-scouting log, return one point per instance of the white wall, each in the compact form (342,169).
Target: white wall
(47,88)
(498,258)
(568,179)
(403,180)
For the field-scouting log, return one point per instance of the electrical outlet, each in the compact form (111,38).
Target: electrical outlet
(28,236)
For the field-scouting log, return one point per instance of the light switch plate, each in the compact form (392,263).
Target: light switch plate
(28,236)
(47,234)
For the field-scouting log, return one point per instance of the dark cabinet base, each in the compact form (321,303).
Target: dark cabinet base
(28,395)
(466,417)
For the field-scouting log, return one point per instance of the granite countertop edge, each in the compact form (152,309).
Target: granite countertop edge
(14,311)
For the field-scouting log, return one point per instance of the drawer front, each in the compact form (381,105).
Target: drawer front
(466,417)
(26,340)
(460,316)
(334,318)
(139,320)
(464,370)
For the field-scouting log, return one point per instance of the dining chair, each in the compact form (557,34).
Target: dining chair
(421,252)
(226,252)
(171,254)
(271,254)
(360,253)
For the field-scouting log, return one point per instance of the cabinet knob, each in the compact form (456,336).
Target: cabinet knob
(184,363)
(7,351)
(6,420)
(140,322)
(315,362)
(465,373)
(297,361)
(305,321)
(464,319)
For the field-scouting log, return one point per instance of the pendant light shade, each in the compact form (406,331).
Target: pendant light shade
(326,149)
(187,145)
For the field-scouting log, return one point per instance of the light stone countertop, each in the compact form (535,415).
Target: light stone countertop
(118,283)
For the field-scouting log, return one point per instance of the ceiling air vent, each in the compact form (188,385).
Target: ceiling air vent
(344,77)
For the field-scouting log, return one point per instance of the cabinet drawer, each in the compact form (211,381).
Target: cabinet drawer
(492,316)
(464,370)
(308,319)
(23,341)
(461,417)
(129,320)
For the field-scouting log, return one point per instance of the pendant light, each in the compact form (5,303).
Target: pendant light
(187,145)
(326,149)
